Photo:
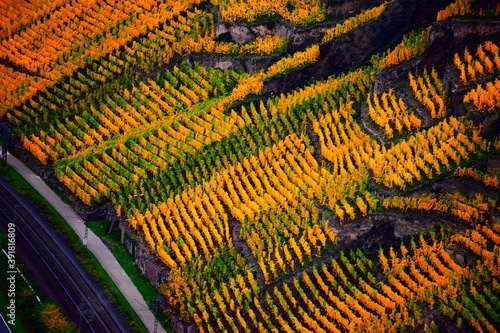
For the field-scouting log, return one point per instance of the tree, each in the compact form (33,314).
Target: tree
(54,320)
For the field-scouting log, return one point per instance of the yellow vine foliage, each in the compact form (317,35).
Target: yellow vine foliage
(411,46)
(488,179)
(485,97)
(410,160)
(459,7)
(473,67)
(298,59)
(389,111)
(353,22)
(429,90)
(296,11)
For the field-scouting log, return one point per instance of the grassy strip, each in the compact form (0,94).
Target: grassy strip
(125,259)
(29,309)
(117,298)
(86,258)
(26,319)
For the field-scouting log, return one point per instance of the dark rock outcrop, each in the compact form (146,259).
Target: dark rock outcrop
(386,78)
(249,65)
(356,47)
(343,9)
(453,35)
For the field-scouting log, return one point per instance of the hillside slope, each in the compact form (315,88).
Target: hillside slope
(279,166)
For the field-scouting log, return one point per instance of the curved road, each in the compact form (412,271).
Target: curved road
(63,276)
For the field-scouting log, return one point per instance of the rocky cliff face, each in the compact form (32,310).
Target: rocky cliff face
(356,47)
(340,55)
(343,9)
(452,35)
(338,11)
(243,33)
(249,65)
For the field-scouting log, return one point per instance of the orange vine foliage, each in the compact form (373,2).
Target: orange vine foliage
(14,85)
(179,230)
(150,148)
(261,46)
(15,14)
(390,112)
(473,67)
(485,99)
(344,144)
(463,7)
(411,46)
(248,86)
(298,59)
(128,145)
(451,141)
(301,12)
(353,22)
(471,211)
(487,179)
(429,90)
(483,242)
(459,7)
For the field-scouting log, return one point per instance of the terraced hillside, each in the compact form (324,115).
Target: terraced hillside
(295,166)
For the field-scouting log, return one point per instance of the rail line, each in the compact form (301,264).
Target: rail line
(79,296)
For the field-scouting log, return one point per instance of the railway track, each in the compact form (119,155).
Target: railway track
(59,271)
